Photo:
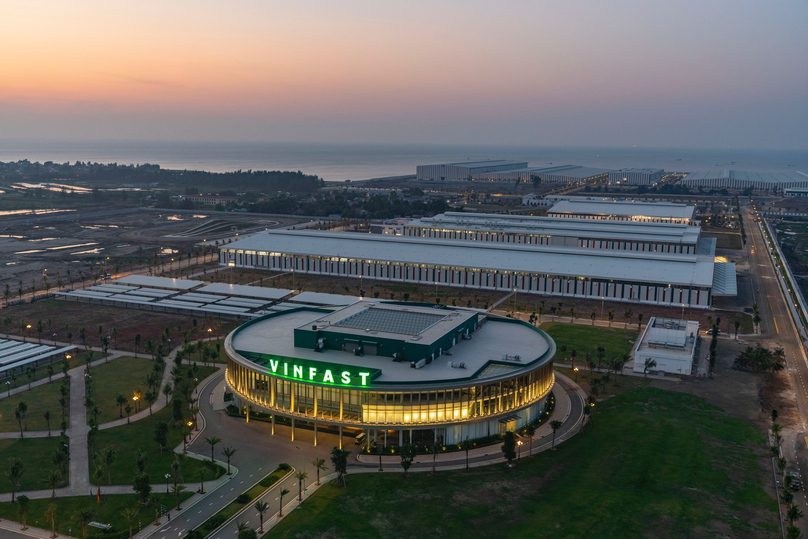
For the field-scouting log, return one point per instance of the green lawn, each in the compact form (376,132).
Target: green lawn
(140,435)
(36,455)
(38,399)
(654,464)
(107,512)
(122,375)
(585,339)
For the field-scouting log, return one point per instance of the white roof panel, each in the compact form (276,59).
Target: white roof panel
(318,298)
(592,263)
(662,210)
(160,282)
(245,291)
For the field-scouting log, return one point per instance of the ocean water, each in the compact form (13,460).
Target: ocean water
(339,162)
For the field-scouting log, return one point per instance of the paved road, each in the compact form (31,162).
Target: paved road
(777,329)
(258,453)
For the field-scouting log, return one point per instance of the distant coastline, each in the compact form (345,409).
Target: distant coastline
(340,162)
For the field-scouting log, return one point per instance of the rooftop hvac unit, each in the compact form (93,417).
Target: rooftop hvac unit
(511,357)
(453,365)
(418,364)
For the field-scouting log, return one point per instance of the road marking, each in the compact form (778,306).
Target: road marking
(775,324)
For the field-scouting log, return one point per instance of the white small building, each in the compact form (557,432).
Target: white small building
(670,343)
(636,176)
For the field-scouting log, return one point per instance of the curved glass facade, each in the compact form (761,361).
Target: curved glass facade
(375,407)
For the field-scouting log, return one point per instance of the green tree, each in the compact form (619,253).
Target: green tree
(282,493)
(319,465)
(530,430)
(228,452)
(83,517)
(262,508)
(301,480)
(108,456)
(129,514)
(53,481)
(339,459)
(50,514)
(120,400)
(555,425)
(509,447)
(650,363)
(212,440)
(22,509)
(161,434)
(14,473)
(793,514)
(466,446)
(407,452)
(142,486)
(434,449)
(177,490)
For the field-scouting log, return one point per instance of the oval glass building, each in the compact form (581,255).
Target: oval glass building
(415,372)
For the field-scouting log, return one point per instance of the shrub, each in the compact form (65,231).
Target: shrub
(214,522)
(232,409)
(193,534)
(243,498)
(268,481)
(283,466)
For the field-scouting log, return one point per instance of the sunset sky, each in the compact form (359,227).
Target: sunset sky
(685,73)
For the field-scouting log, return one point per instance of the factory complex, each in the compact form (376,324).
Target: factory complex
(672,238)
(417,374)
(739,180)
(649,212)
(498,170)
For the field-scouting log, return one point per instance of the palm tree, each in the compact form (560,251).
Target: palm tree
(99,477)
(435,448)
(241,527)
(177,489)
(129,515)
(228,452)
(82,517)
(611,317)
(50,514)
(47,415)
(509,447)
(793,532)
(213,440)
(14,472)
(319,465)
(53,480)
(108,455)
(380,451)
(150,397)
(301,478)
(466,445)
(530,430)
(650,363)
(262,508)
(167,391)
(555,425)
(120,400)
(282,493)
(22,501)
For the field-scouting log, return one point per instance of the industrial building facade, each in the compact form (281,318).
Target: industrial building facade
(740,180)
(631,276)
(646,212)
(410,371)
(666,238)
(636,176)
(465,170)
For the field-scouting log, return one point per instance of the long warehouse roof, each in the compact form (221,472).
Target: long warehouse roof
(592,263)
(773,178)
(608,207)
(560,226)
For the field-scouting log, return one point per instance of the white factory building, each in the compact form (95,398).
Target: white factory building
(649,212)
(636,176)
(741,180)
(668,238)
(631,276)
(499,170)
(465,170)
(795,192)
(670,343)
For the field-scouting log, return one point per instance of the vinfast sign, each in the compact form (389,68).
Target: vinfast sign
(313,372)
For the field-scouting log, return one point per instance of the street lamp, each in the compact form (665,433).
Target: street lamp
(167,476)
(519,449)
(576,374)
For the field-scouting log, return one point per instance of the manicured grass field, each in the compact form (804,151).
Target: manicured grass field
(653,464)
(585,339)
(140,435)
(107,512)
(38,399)
(36,455)
(122,375)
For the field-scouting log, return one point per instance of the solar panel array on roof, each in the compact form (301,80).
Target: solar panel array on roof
(390,321)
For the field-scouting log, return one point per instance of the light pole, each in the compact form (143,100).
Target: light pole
(167,476)
(575,369)
(601,308)
(519,449)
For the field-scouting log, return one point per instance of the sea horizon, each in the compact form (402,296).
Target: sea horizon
(358,161)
